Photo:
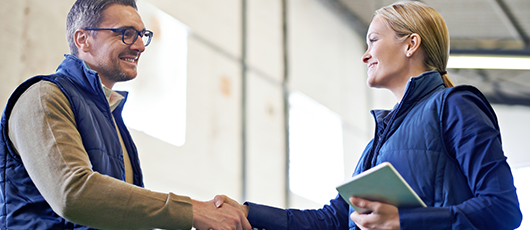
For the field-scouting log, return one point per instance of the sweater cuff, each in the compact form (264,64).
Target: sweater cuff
(425,218)
(262,216)
(179,213)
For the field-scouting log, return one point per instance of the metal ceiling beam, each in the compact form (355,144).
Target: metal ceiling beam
(509,19)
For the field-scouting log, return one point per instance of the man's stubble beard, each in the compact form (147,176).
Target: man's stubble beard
(116,73)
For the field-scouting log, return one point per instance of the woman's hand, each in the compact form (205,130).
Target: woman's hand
(380,215)
(219,200)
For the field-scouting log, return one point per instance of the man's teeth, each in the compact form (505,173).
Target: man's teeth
(128,59)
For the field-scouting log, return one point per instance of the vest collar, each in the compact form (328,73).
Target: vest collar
(420,86)
(79,72)
(416,88)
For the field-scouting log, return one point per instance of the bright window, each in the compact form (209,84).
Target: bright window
(316,149)
(157,97)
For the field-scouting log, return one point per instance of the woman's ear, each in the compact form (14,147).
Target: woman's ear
(413,44)
(81,40)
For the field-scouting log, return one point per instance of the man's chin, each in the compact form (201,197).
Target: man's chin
(127,78)
(129,74)
(123,77)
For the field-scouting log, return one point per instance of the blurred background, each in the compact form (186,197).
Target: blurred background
(266,100)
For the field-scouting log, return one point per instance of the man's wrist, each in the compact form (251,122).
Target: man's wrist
(244,209)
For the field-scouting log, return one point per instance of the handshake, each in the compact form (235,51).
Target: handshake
(221,213)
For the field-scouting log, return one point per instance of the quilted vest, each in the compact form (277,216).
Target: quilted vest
(22,206)
(409,138)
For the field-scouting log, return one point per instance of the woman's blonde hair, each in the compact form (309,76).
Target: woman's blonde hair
(406,18)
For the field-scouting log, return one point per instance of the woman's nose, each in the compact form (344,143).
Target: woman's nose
(366,56)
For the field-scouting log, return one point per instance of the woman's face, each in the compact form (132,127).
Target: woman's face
(385,56)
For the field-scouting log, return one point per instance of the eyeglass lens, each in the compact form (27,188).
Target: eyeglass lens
(130,36)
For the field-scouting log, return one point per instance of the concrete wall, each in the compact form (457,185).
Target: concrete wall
(323,62)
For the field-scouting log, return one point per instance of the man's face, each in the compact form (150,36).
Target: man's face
(108,55)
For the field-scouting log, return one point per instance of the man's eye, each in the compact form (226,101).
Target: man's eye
(129,33)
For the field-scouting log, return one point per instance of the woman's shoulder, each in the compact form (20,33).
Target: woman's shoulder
(466,100)
(464,94)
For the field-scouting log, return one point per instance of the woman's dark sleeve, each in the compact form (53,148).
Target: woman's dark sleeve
(333,216)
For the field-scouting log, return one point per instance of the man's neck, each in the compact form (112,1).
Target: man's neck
(104,80)
(106,83)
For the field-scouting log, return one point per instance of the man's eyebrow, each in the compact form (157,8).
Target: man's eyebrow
(130,27)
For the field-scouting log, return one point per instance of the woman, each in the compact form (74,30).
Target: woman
(444,140)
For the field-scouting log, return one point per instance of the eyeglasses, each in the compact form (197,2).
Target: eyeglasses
(129,35)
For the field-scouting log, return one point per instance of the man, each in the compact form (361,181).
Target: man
(68,161)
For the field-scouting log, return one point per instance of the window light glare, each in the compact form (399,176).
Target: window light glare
(160,88)
(488,62)
(316,160)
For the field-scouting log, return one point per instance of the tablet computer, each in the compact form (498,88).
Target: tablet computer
(382,183)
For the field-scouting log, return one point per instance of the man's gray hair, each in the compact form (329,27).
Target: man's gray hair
(88,13)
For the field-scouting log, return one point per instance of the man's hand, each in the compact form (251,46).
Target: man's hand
(222,199)
(382,216)
(206,215)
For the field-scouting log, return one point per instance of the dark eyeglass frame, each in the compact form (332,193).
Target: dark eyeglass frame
(122,31)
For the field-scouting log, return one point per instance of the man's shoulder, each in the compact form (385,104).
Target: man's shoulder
(45,89)
(45,92)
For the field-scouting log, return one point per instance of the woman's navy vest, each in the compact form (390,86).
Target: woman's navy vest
(22,206)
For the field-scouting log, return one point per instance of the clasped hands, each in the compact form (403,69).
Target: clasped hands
(381,215)
(216,216)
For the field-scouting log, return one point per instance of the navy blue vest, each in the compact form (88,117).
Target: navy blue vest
(22,206)
(412,141)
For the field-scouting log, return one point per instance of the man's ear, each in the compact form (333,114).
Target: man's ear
(413,44)
(81,40)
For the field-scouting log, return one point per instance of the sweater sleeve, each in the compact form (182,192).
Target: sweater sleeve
(43,131)
(333,216)
(472,137)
